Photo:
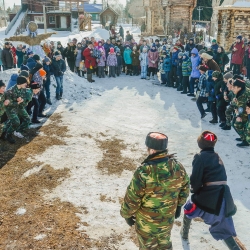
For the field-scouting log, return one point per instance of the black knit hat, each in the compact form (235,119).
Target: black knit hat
(21,80)
(35,85)
(24,73)
(207,139)
(248,103)
(156,141)
(2,84)
(239,83)
(36,57)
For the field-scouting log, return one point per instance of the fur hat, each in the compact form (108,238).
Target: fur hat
(206,56)
(2,84)
(156,141)
(36,57)
(239,83)
(203,68)
(228,75)
(207,139)
(24,73)
(21,80)
(248,103)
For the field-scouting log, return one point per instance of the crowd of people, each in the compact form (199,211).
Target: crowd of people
(195,70)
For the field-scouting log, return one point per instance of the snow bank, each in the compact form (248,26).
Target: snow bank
(100,33)
(242,4)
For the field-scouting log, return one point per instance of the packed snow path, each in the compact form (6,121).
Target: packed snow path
(126,109)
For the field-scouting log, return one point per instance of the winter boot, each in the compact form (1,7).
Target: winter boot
(48,101)
(243,144)
(213,121)
(226,127)
(57,97)
(185,228)
(9,138)
(223,124)
(231,244)
(180,88)
(238,139)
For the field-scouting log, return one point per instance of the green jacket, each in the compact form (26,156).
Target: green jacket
(14,93)
(186,68)
(2,107)
(158,186)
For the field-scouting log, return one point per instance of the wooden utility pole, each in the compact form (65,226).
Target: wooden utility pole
(44,17)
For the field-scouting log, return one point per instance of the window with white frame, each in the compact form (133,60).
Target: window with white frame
(52,19)
(38,19)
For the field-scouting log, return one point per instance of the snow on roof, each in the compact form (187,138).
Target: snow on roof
(91,8)
(242,4)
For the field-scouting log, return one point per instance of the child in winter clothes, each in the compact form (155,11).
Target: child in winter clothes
(144,62)
(202,86)
(135,61)
(179,72)
(186,72)
(112,62)
(101,64)
(161,68)
(173,74)
(47,68)
(118,68)
(153,57)
(128,60)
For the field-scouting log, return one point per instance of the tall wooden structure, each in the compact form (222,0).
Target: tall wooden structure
(108,17)
(162,16)
(233,20)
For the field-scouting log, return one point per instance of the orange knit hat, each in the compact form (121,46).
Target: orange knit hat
(42,72)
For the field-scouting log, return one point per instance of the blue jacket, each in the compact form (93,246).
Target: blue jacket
(12,81)
(167,64)
(175,58)
(127,56)
(119,60)
(195,64)
(31,63)
(210,87)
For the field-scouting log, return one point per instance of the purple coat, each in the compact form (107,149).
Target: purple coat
(112,60)
(101,61)
(153,58)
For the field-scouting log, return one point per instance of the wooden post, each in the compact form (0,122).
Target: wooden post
(45,21)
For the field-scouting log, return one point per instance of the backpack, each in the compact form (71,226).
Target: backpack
(96,53)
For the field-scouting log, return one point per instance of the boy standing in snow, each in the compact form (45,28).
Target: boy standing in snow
(112,62)
(118,68)
(202,86)
(101,64)
(211,198)
(144,62)
(186,72)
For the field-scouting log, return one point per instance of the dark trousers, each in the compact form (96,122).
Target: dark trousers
(199,102)
(163,78)
(152,70)
(101,72)
(34,102)
(236,69)
(71,65)
(112,71)
(42,101)
(173,76)
(118,70)
(6,68)
(185,83)
(191,84)
(221,110)
(213,109)
(47,88)
(136,70)
(129,69)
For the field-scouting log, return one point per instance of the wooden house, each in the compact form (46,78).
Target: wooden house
(162,16)
(233,20)
(108,17)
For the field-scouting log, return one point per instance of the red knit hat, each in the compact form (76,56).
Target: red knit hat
(112,50)
(207,139)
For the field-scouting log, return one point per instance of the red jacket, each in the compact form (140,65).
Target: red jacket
(89,60)
(238,55)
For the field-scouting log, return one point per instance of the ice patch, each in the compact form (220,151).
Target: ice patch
(20,211)
(31,171)
(40,236)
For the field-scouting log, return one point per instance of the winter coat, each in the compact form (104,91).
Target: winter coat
(70,53)
(31,63)
(7,58)
(175,58)
(112,60)
(189,47)
(153,58)
(208,167)
(179,67)
(143,59)
(127,56)
(58,67)
(101,61)
(221,59)
(1,63)
(119,60)
(237,56)
(195,60)
(219,87)
(210,87)
(212,65)
(20,55)
(186,67)
(167,64)
(78,57)
(14,55)
(89,60)
(135,58)
(12,81)
(37,78)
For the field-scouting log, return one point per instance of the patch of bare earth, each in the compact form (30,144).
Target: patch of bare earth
(111,242)
(42,224)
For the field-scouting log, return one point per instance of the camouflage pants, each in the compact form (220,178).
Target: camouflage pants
(229,113)
(240,129)
(160,241)
(15,115)
(3,119)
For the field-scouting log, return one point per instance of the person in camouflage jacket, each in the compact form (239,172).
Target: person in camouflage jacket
(155,195)
(242,95)
(18,97)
